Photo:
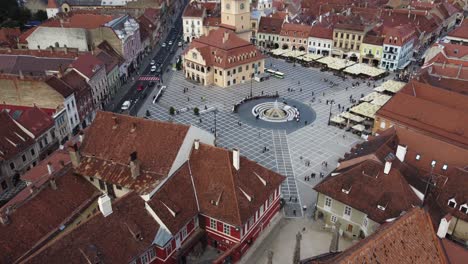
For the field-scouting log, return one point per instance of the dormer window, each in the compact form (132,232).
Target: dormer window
(464,208)
(418,157)
(381,207)
(452,203)
(346,190)
(444,167)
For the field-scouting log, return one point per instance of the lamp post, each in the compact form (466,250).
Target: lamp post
(329,116)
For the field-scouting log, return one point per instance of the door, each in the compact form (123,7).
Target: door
(350,228)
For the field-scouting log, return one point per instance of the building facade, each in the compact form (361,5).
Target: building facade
(320,40)
(398,48)
(347,41)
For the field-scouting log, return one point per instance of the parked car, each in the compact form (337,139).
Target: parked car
(140,87)
(180,44)
(163,44)
(153,68)
(152,62)
(170,42)
(125,105)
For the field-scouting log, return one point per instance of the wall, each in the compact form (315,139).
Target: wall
(460,231)
(343,41)
(72,112)
(356,219)
(193,27)
(319,45)
(374,50)
(246,73)
(44,37)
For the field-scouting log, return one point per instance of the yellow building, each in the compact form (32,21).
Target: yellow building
(222,58)
(372,50)
(235,15)
(347,40)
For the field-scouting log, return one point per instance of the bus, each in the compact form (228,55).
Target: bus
(276,74)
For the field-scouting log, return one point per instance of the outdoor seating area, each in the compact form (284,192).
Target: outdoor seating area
(390,87)
(336,63)
(364,70)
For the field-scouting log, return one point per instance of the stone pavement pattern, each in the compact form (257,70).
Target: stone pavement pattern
(313,144)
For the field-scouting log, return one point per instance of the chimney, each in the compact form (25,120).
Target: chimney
(236,158)
(53,183)
(225,36)
(81,137)
(388,166)
(116,122)
(134,165)
(196,144)
(75,156)
(444,225)
(50,168)
(105,205)
(401,152)
(4,218)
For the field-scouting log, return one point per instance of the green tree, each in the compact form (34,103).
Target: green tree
(196,111)
(11,15)
(40,15)
(172,110)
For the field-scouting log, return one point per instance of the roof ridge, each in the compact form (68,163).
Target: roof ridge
(234,185)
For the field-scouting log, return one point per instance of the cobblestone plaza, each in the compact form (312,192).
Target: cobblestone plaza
(293,153)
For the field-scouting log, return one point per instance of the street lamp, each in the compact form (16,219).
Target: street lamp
(329,116)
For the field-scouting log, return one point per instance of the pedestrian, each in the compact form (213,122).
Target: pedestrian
(294,212)
(305,122)
(312,93)
(313,175)
(188,99)
(206,108)
(200,120)
(290,198)
(264,148)
(326,164)
(295,199)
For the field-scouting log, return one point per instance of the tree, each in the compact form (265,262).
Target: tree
(196,111)
(172,110)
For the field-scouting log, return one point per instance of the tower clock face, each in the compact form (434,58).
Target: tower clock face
(228,6)
(242,6)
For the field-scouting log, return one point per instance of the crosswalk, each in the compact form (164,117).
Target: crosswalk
(148,78)
(289,191)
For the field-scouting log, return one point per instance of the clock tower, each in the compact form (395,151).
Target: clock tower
(235,15)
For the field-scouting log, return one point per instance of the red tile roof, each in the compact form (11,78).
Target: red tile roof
(435,111)
(57,159)
(78,20)
(13,139)
(175,202)
(399,35)
(229,184)
(52,4)
(194,9)
(460,32)
(9,36)
(369,187)
(59,86)
(454,85)
(118,238)
(107,147)
(270,25)
(36,121)
(88,65)
(223,48)
(43,214)
(295,30)
(321,32)
(456,254)
(409,239)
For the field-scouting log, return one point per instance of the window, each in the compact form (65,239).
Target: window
(270,200)
(234,71)
(194,55)
(262,208)
(169,248)
(452,203)
(240,69)
(212,223)
(228,73)
(118,187)
(33,152)
(144,259)
(216,71)
(418,157)
(333,218)
(347,211)
(23,157)
(328,201)
(4,185)
(152,254)
(226,229)
(251,222)
(464,208)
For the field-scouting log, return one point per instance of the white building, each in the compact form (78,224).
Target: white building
(320,40)
(398,47)
(192,20)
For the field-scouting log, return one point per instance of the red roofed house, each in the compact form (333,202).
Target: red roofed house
(408,239)
(368,188)
(398,47)
(447,61)
(459,35)
(222,58)
(320,40)
(171,167)
(9,37)
(83,95)
(192,19)
(294,36)
(94,71)
(268,33)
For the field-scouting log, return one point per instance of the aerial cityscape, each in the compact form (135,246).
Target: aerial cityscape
(234,131)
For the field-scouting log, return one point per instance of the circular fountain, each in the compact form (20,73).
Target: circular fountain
(275,112)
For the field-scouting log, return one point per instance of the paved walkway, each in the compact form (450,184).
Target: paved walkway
(289,191)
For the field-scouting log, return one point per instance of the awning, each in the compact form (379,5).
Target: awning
(354,118)
(358,127)
(365,69)
(337,119)
(390,86)
(365,109)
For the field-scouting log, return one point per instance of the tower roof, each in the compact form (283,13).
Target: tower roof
(52,4)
